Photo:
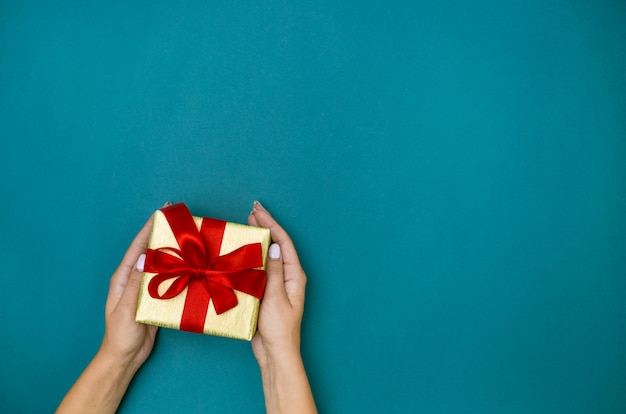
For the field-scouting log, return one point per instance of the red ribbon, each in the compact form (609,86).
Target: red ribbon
(198,267)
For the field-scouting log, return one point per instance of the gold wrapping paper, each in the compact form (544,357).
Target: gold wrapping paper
(239,322)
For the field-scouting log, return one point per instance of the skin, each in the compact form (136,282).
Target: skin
(276,345)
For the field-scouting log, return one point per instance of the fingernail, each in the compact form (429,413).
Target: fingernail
(274,252)
(141,261)
(167,204)
(258,206)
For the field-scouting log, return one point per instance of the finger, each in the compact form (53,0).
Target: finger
(280,236)
(131,292)
(252,219)
(118,284)
(120,277)
(275,287)
(137,246)
(116,289)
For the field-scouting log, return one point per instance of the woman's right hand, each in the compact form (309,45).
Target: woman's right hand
(276,344)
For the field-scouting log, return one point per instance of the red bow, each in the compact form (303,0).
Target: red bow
(198,267)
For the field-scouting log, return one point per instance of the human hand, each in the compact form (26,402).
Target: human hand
(126,344)
(276,344)
(126,341)
(282,306)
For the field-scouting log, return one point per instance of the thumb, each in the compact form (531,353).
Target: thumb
(275,287)
(131,291)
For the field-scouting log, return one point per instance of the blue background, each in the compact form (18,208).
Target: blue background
(453,175)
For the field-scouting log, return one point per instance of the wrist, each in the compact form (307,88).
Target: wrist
(119,355)
(285,357)
(122,367)
(273,353)
(100,388)
(285,384)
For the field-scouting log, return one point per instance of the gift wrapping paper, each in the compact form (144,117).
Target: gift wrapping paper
(239,321)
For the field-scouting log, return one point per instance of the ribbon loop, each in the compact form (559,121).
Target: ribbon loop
(197,266)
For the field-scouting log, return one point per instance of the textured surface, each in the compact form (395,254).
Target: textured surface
(453,175)
(239,322)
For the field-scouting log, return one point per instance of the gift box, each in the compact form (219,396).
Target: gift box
(203,275)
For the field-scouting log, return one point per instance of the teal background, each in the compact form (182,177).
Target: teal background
(453,176)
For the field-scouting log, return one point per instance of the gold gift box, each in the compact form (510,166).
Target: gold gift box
(239,322)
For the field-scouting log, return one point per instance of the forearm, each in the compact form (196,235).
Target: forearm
(100,388)
(286,386)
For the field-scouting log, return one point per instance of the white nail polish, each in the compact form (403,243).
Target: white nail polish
(141,261)
(258,205)
(274,252)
